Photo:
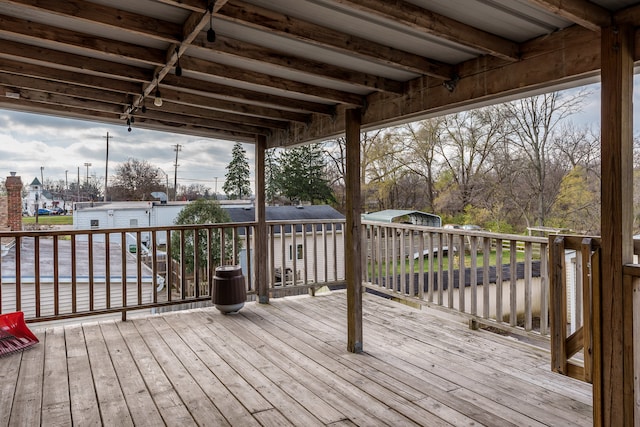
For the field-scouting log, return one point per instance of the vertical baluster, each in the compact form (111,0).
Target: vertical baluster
(499,280)
(528,279)
(513,284)
(450,282)
(74,274)
(544,289)
(123,267)
(462,279)
(139,265)
(107,269)
(36,272)
(56,280)
(440,276)
(474,275)
(486,253)
(90,264)
(196,262)
(154,265)
(18,268)
(169,257)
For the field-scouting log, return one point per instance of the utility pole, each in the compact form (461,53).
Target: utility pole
(177,148)
(106,169)
(42,176)
(78,199)
(87,164)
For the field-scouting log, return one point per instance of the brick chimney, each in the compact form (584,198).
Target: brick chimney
(13,184)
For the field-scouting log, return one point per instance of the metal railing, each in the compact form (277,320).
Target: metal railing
(54,275)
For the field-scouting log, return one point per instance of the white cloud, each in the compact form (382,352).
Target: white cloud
(31,141)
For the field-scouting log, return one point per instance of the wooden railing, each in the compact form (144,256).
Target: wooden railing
(575,276)
(576,280)
(53,275)
(493,279)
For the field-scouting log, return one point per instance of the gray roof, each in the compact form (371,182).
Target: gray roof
(289,213)
(285,213)
(396,215)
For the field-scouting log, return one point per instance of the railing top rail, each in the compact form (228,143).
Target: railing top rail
(105,230)
(459,231)
(574,241)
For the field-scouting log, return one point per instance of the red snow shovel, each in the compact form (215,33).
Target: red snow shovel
(14,333)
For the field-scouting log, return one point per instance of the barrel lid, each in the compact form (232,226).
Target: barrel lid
(228,268)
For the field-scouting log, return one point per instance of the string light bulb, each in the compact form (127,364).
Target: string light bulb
(211,34)
(158,99)
(178,67)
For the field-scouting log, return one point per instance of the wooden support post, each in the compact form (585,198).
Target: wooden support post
(261,246)
(613,402)
(353,232)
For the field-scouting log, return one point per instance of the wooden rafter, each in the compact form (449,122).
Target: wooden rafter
(432,23)
(257,17)
(582,12)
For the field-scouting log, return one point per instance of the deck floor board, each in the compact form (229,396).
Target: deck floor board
(286,364)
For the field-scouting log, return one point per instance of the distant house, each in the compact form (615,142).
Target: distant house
(97,216)
(308,252)
(37,197)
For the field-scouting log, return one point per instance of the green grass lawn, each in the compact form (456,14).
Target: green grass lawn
(506,254)
(49,219)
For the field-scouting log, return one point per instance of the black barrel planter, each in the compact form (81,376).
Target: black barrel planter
(229,293)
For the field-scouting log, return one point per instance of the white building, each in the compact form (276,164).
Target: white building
(37,197)
(292,251)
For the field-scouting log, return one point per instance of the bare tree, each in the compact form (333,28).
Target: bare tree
(422,139)
(531,128)
(465,149)
(135,180)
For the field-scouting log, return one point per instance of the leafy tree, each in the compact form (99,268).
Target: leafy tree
(201,212)
(577,205)
(302,175)
(236,184)
(135,180)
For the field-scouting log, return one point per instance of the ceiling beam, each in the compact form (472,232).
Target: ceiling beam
(162,115)
(83,64)
(431,23)
(230,47)
(217,90)
(71,77)
(191,99)
(209,114)
(582,12)
(32,31)
(286,26)
(560,58)
(20,83)
(208,68)
(110,17)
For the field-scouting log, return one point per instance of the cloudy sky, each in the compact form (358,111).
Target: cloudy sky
(29,142)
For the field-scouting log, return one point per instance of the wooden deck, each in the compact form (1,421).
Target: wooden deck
(285,364)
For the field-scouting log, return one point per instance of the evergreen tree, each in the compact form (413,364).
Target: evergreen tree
(202,212)
(302,175)
(272,172)
(236,184)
